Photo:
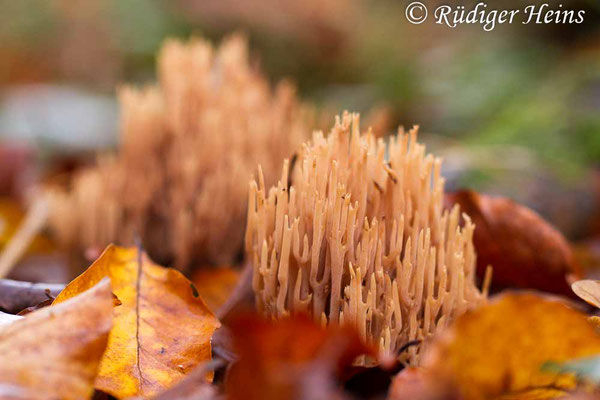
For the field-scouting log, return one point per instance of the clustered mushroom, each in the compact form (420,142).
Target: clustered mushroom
(188,145)
(355,232)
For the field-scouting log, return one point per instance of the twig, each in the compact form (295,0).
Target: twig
(34,221)
(16,296)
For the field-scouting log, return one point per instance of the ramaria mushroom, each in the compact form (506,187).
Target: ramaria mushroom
(179,179)
(361,237)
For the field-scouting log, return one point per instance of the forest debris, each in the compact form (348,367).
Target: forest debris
(292,358)
(498,350)
(38,306)
(16,295)
(524,250)
(161,331)
(55,352)
(390,262)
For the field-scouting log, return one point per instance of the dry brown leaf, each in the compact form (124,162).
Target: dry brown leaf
(18,295)
(38,306)
(588,290)
(162,329)
(500,348)
(290,359)
(524,250)
(215,284)
(55,352)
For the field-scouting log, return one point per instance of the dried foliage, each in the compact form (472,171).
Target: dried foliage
(290,359)
(179,180)
(161,331)
(54,353)
(357,239)
(499,351)
(525,250)
(215,285)
(16,296)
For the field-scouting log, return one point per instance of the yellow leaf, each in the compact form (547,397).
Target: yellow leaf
(215,284)
(499,349)
(54,353)
(161,331)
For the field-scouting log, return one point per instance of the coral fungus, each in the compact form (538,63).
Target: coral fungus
(361,237)
(189,143)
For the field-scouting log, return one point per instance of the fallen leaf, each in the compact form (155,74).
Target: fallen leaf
(161,331)
(588,290)
(38,306)
(16,295)
(290,358)
(419,384)
(215,284)
(54,353)
(499,349)
(524,250)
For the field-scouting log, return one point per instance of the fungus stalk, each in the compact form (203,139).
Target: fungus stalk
(361,237)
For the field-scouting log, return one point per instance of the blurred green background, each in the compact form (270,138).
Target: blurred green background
(514,111)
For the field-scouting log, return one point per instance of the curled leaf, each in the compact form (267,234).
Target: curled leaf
(162,329)
(54,353)
(524,250)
